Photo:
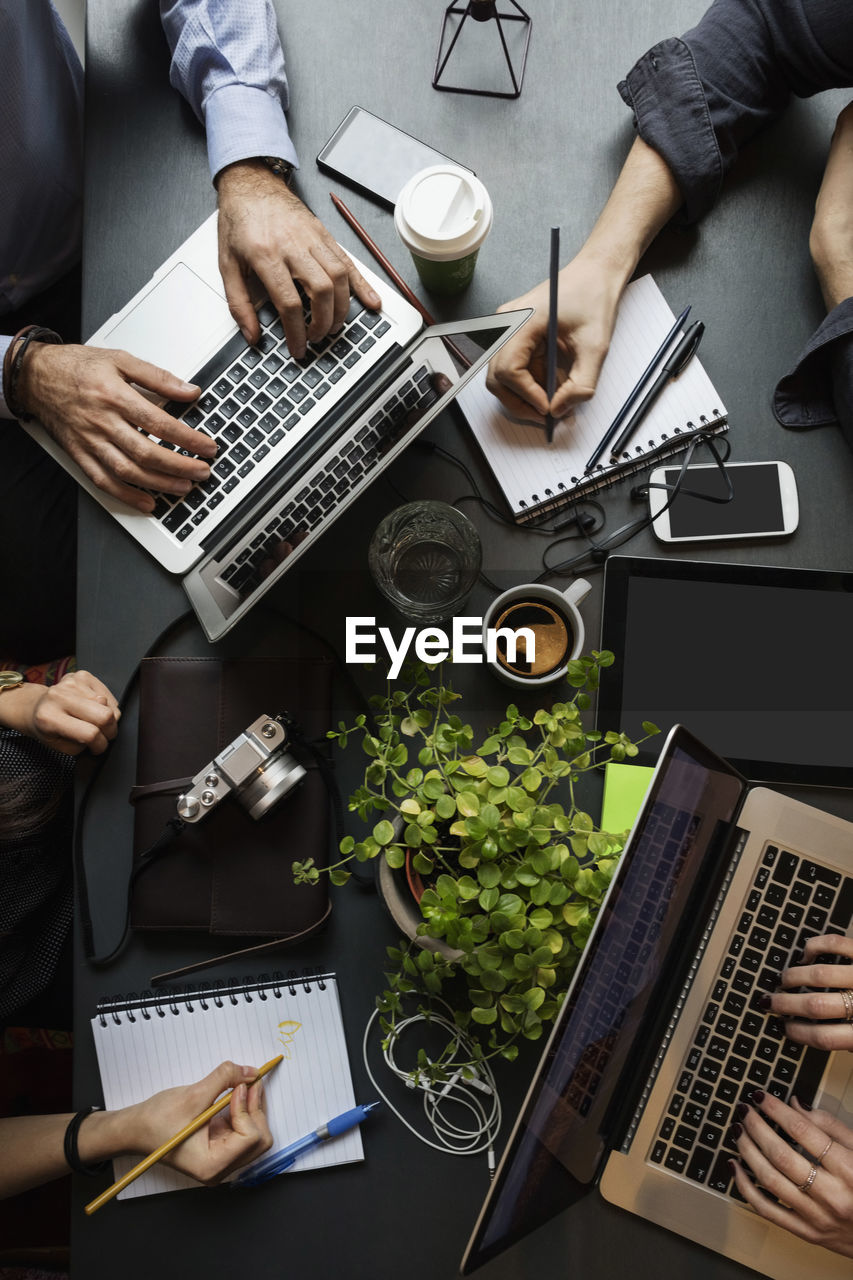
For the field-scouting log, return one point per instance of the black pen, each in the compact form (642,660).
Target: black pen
(637,390)
(551,368)
(672,368)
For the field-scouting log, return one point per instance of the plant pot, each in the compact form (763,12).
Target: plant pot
(399,898)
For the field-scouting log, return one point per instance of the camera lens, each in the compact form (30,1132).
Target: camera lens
(270,783)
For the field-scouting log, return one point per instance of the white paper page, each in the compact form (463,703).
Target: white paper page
(310,1086)
(527,467)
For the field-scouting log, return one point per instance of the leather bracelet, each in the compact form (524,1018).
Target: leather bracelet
(12,364)
(72,1156)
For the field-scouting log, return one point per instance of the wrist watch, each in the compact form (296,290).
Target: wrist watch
(10,680)
(281,168)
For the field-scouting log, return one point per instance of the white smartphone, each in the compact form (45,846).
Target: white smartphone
(764,505)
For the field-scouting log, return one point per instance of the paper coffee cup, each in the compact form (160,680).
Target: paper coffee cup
(443,215)
(559,624)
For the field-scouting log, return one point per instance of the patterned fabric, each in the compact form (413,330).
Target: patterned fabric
(35,866)
(46,673)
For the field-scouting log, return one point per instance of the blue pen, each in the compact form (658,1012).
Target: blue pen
(276,1163)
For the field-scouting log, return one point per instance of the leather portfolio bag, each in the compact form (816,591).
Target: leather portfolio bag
(228,874)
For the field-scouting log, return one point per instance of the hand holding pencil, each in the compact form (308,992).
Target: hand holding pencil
(206,1146)
(587,301)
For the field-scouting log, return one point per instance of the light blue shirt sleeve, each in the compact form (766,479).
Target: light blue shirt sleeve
(228,63)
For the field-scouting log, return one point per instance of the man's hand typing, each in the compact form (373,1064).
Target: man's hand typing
(266,230)
(84,397)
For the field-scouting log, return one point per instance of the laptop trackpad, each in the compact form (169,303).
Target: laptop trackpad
(177,324)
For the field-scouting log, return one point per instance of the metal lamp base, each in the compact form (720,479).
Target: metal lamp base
(482,11)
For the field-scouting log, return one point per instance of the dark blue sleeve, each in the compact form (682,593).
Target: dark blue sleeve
(819,389)
(697,100)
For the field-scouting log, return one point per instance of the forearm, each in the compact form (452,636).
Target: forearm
(228,63)
(641,203)
(17,707)
(33,1153)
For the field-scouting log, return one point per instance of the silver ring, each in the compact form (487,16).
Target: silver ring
(819,1159)
(806,1186)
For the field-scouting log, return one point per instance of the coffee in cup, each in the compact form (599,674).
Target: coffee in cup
(539,631)
(443,215)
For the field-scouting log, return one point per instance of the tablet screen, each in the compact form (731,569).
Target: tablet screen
(756,661)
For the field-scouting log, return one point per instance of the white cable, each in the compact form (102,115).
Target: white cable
(453,1138)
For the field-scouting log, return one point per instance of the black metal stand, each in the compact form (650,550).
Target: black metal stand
(482,11)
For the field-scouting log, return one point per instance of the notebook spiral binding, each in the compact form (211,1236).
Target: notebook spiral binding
(185,999)
(538,508)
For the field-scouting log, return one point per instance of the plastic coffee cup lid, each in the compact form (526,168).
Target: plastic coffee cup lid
(443,213)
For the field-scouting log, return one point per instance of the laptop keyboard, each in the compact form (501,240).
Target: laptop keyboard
(737,1047)
(346,469)
(253,397)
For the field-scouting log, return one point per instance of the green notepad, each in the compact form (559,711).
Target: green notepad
(625,787)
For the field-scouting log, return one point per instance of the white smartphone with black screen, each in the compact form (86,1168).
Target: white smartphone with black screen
(375,157)
(764,505)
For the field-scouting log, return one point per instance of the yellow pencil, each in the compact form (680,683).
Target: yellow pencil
(192,1127)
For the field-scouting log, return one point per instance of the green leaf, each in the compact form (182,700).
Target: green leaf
(422,864)
(432,788)
(488,898)
(512,940)
(413,835)
(468,888)
(339,875)
(498,775)
(445,807)
(575,912)
(383,832)
(489,875)
(468,804)
(490,816)
(395,857)
(650,728)
(410,806)
(485,1016)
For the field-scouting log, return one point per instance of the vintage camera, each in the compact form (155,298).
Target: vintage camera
(256,767)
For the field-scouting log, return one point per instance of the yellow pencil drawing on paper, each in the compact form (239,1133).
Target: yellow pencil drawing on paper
(286,1032)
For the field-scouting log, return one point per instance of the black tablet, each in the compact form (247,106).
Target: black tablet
(756,661)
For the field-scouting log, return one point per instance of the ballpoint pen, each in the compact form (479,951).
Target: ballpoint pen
(671,369)
(551,353)
(637,391)
(281,1160)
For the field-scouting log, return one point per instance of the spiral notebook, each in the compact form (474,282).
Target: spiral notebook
(153,1042)
(539,478)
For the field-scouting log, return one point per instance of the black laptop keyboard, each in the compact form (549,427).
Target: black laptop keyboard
(737,1047)
(253,397)
(348,468)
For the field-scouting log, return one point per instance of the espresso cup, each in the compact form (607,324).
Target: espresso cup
(556,625)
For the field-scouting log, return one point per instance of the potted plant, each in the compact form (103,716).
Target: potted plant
(514,868)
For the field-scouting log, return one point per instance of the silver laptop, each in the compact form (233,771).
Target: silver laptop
(298,440)
(661,1034)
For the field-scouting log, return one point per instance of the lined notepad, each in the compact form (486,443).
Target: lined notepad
(155,1042)
(538,478)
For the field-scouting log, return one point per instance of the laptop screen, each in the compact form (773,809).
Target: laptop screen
(596,1063)
(753,658)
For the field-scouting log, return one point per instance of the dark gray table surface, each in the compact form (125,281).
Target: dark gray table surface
(548,158)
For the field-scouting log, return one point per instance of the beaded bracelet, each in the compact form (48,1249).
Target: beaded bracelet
(72,1155)
(12,364)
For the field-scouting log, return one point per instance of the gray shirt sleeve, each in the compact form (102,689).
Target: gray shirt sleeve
(697,100)
(819,389)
